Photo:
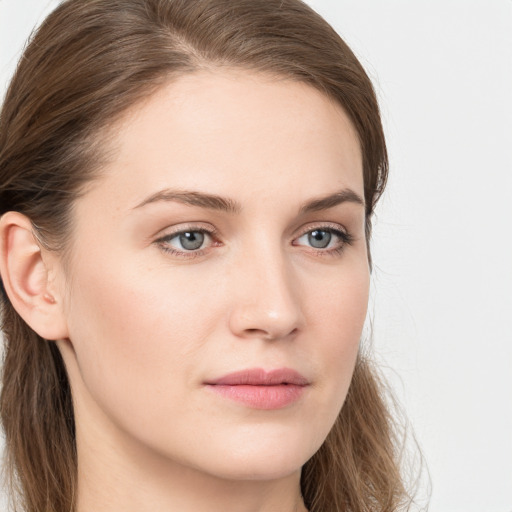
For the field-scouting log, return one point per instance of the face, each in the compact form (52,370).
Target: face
(218,281)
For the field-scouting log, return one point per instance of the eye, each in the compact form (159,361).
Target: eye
(325,239)
(186,242)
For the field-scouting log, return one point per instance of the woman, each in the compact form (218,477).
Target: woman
(186,192)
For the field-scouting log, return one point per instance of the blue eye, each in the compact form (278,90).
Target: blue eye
(185,241)
(191,240)
(319,239)
(328,240)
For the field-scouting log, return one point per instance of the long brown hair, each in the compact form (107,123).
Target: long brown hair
(87,64)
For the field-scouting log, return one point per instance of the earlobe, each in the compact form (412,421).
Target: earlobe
(25,277)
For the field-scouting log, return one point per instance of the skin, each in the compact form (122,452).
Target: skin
(145,328)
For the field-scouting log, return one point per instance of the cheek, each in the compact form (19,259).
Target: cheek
(135,334)
(130,305)
(337,318)
(338,306)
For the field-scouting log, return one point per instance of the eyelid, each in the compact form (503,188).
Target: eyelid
(311,226)
(183,227)
(335,228)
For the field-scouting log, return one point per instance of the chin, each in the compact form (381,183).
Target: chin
(263,457)
(272,468)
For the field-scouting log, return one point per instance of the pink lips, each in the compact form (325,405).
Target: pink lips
(260,389)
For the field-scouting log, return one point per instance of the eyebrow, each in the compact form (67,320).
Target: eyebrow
(332,200)
(192,198)
(215,202)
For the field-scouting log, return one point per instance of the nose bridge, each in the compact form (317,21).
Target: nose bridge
(267,302)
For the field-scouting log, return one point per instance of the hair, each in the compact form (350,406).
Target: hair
(88,63)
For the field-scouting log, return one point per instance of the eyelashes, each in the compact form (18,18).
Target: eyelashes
(193,241)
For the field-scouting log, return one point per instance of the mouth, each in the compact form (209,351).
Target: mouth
(260,389)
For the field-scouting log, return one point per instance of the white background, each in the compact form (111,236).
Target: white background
(442,298)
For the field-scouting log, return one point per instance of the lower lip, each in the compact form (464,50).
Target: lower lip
(261,397)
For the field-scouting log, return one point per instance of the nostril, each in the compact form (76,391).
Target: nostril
(270,334)
(256,332)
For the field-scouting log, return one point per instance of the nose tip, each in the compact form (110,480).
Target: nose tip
(253,321)
(268,307)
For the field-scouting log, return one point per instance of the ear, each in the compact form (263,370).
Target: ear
(25,272)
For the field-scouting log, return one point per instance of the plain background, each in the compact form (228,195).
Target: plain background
(442,282)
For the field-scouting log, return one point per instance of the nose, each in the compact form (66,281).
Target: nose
(266,300)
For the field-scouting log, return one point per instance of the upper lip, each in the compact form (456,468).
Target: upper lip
(261,377)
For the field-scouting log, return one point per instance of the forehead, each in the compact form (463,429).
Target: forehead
(229,131)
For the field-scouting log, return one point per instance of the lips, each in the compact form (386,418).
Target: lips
(260,389)
(260,377)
